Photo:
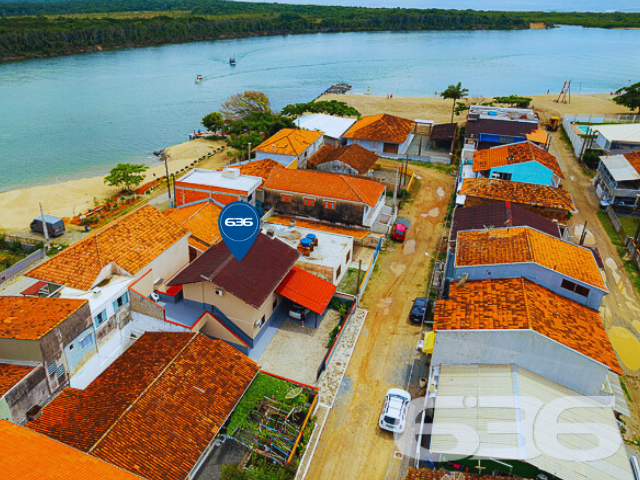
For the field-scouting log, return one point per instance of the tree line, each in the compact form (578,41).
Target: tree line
(32,29)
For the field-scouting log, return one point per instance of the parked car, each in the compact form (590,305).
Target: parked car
(419,309)
(394,411)
(399,232)
(55,225)
(296,311)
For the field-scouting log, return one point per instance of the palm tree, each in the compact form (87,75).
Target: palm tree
(455,92)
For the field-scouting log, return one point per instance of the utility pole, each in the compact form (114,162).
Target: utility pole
(395,191)
(166,167)
(249,150)
(44,227)
(584,233)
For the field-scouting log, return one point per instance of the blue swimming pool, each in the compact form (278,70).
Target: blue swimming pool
(584,129)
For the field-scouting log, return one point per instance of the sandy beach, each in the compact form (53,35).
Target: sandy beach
(439,109)
(69,198)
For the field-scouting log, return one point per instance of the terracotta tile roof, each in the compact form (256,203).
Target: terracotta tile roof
(258,168)
(381,128)
(497,215)
(131,242)
(517,303)
(634,160)
(31,318)
(289,141)
(201,220)
(319,226)
(526,245)
(353,155)
(253,279)
(326,185)
(27,455)
(11,374)
(512,155)
(518,192)
(428,474)
(156,408)
(307,290)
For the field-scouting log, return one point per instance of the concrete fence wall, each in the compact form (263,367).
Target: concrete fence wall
(19,267)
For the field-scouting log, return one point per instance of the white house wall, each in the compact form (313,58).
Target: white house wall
(524,348)
(536,273)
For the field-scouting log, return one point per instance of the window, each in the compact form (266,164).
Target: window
(120,301)
(275,303)
(100,318)
(51,369)
(502,175)
(60,371)
(575,288)
(86,341)
(285,198)
(250,197)
(348,256)
(309,202)
(329,205)
(338,271)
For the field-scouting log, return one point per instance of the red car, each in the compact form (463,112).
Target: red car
(399,232)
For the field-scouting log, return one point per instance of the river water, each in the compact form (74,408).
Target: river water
(76,116)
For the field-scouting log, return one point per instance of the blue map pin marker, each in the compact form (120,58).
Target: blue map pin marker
(239,225)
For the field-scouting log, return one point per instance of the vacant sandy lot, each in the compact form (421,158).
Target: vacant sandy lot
(439,109)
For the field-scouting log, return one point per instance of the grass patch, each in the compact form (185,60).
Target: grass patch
(263,386)
(349,281)
(629,224)
(625,390)
(618,242)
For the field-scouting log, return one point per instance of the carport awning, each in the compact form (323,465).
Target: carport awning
(307,290)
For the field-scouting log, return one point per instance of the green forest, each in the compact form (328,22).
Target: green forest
(49,28)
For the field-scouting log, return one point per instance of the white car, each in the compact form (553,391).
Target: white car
(296,311)
(394,412)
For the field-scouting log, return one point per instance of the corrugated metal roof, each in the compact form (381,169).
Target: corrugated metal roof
(620,168)
(307,290)
(332,126)
(626,132)
(519,388)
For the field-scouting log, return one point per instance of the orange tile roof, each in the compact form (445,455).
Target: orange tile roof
(131,242)
(381,128)
(538,136)
(518,192)
(326,185)
(155,410)
(428,474)
(526,245)
(634,159)
(201,220)
(31,318)
(258,168)
(321,227)
(289,141)
(517,303)
(27,455)
(307,290)
(11,374)
(357,157)
(512,155)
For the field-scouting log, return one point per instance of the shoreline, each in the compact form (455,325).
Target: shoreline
(66,199)
(72,197)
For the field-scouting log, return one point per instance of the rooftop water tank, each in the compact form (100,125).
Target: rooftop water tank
(305,242)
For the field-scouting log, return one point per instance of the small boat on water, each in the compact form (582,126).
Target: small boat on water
(232,61)
(199,78)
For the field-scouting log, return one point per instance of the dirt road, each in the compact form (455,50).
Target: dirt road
(622,306)
(352,446)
